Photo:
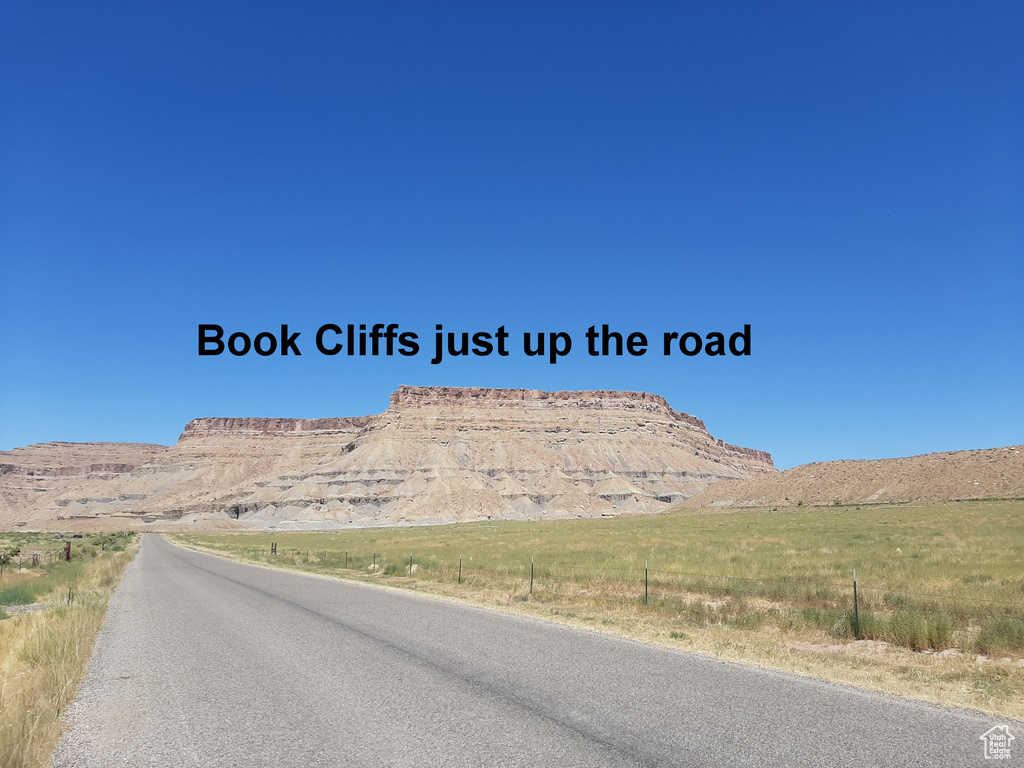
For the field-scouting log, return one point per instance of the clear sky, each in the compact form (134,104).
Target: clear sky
(847,179)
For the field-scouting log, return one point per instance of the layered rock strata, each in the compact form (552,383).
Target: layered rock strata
(34,478)
(437,454)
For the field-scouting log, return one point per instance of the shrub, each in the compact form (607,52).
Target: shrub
(846,626)
(940,631)
(750,620)
(871,627)
(19,594)
(977,578)
(1003,634)
(919,631)
(909,629)
(823,618)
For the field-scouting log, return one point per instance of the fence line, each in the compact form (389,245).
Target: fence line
(660,586)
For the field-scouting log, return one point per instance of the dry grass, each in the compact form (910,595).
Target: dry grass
(43,656)
(949,678)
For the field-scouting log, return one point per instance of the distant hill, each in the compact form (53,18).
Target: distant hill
(987,473)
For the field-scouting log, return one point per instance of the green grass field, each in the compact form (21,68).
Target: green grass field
(956,567)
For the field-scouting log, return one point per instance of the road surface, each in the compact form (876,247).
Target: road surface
(206,662)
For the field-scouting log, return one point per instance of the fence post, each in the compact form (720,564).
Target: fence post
(856,614)
(645,582)
(410,563)
(67,551)
(346,558)
(460,568)
(375,559)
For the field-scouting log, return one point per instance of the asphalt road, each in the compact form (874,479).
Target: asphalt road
(205,662)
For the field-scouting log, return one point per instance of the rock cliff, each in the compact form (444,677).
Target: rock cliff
(437,454)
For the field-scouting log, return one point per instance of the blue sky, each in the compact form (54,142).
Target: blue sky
(847,179)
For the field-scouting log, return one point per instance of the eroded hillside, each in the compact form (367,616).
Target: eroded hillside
(437,454)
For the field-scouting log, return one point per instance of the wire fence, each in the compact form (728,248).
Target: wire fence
(918,619)
(18,561)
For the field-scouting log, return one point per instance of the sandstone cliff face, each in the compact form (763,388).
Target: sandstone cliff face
(205,428)
(34,477)
(437,454)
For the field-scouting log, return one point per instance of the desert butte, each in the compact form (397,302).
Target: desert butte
(445,454)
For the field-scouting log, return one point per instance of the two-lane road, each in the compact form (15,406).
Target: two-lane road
(205,662)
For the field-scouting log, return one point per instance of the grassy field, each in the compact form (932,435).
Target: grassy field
(940,586)
(43,652)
